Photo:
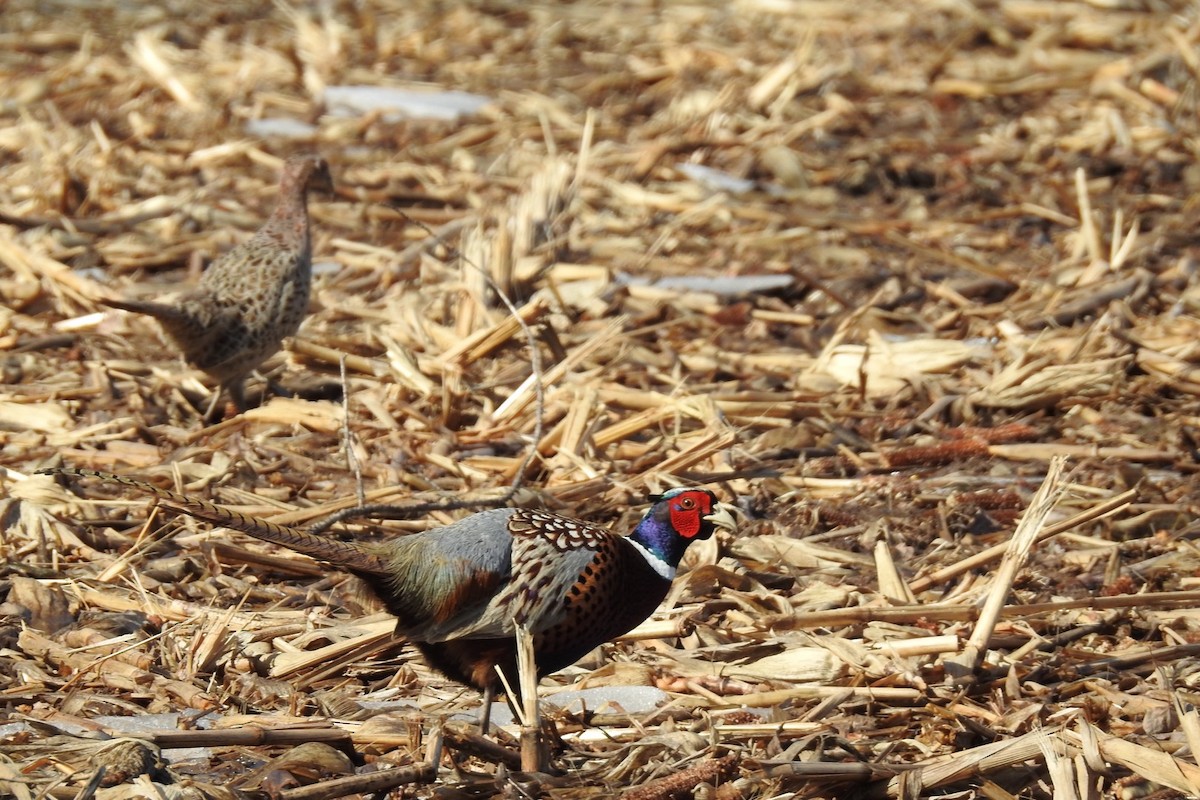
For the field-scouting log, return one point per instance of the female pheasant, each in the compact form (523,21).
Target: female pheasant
(251,298)
(458,592)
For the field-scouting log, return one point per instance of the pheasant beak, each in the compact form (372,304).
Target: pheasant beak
(722,517)
(321,179)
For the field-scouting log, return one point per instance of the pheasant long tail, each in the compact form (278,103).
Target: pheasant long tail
(179,323)
(160,311)
(344,554)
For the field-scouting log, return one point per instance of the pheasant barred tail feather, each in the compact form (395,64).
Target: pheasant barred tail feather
(347,555)
(186,324)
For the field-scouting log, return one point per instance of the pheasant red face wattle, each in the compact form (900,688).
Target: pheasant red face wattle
(687,513)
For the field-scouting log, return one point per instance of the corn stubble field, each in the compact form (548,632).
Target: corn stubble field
(912,284)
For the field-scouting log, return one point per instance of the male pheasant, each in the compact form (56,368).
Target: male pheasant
(252,297)
(458,592)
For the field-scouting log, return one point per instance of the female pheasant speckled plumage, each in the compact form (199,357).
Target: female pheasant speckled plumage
(252,297)
(458,591)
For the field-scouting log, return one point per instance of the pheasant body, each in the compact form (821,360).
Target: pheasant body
(252,297)
(457,592)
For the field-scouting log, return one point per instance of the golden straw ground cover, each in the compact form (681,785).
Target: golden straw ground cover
(914,284)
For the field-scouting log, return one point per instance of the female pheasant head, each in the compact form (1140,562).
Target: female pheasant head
(677,518)
(288,224)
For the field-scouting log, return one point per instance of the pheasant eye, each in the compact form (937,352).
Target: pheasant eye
(687,504)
